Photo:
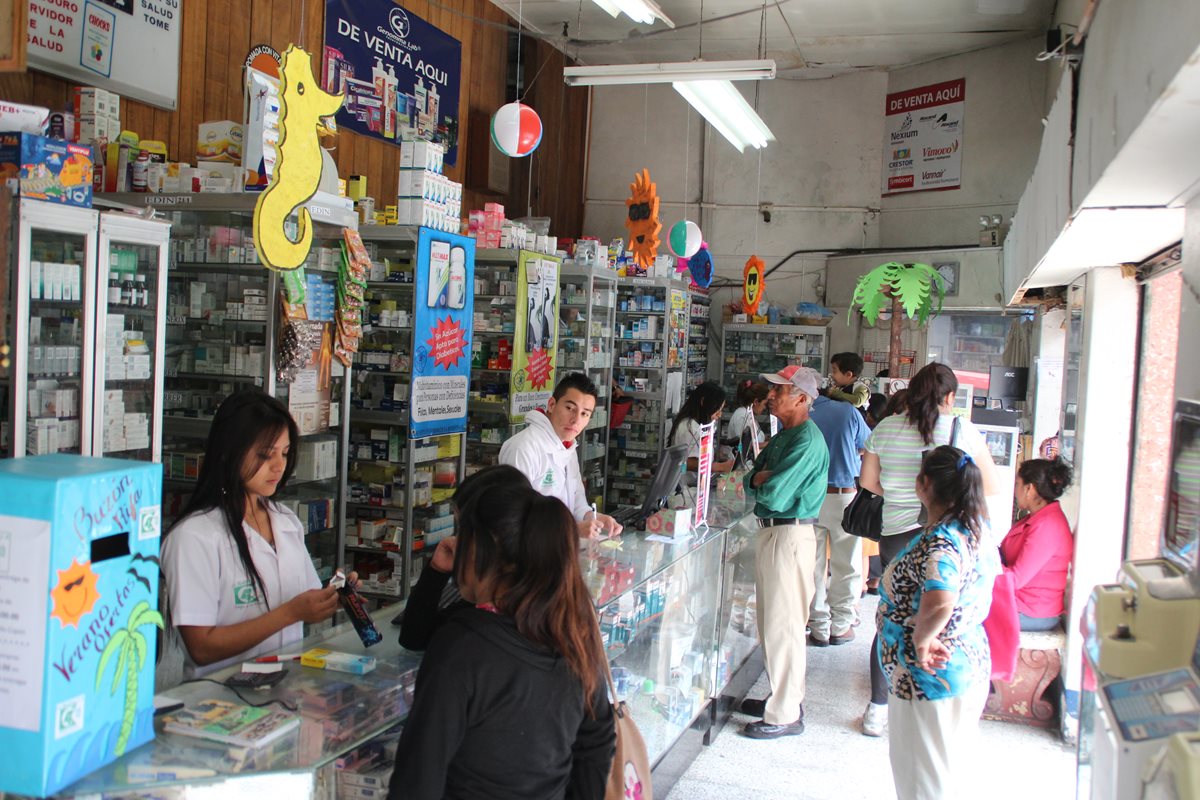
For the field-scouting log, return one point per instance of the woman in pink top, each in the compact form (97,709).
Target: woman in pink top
(1037,550)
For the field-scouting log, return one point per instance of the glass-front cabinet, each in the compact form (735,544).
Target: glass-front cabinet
(131,316)
(53,298)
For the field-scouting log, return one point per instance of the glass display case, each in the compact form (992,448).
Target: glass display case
(131,317)
(747,350)
(587,313)
(51,391)
(677,620)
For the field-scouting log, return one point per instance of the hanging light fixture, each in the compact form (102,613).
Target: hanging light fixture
(643,12)
(727,111)
(627,74)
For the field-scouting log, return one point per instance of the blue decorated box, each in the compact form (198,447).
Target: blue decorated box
(78,614)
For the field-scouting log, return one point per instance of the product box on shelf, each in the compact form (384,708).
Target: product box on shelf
(79,575)
(47,169)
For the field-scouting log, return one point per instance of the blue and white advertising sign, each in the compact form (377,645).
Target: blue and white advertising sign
(442,326)
(400,74)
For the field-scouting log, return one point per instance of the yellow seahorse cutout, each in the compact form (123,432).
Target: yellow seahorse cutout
(302,103)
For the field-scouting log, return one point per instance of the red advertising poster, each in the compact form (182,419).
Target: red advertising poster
(922,138)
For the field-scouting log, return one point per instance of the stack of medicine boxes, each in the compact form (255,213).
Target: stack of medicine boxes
(425,196)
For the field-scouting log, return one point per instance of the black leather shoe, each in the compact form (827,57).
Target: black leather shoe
(842,638)
(817,641)
(764,730)
(754,706)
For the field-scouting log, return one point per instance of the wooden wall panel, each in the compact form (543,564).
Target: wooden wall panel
(217,35)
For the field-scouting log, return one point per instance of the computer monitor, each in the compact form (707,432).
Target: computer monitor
(1181,532)
(1008,383)
(662,485)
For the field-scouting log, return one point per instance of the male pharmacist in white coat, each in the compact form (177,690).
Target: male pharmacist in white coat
(545,452)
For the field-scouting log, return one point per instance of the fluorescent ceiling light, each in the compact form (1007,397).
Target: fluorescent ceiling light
(626,74)
(643,12)
(727,111)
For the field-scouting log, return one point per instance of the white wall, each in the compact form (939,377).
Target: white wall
(1005,102)
(822,175)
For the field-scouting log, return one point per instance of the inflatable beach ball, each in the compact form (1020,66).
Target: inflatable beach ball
(685,238)
(516,129)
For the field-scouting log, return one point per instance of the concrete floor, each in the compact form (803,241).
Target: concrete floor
(832,759)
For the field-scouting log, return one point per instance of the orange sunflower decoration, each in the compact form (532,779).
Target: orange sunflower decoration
(642,219)
(75,594)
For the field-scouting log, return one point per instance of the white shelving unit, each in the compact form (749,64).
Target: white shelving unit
(489,407)
(698,332)
(748,350)
(651,346)
(587,311)
(397,490)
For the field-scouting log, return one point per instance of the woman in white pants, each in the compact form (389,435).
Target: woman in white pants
(933,600)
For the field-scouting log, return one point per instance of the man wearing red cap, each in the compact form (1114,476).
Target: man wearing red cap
(788,485)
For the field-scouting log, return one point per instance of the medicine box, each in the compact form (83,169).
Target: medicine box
(79,540)
(47,169)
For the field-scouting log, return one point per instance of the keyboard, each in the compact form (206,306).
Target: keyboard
(628,516)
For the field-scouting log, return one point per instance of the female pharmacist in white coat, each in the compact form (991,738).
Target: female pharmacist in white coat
(239,578)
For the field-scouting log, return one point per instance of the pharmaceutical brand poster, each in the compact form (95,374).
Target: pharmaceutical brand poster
(535,338)
(399,73)
(922,138)
(442,325)
(130,47)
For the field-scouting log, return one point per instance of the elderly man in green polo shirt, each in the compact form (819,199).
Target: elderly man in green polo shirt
(788,484)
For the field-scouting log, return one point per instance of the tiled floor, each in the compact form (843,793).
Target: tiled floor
(834,760)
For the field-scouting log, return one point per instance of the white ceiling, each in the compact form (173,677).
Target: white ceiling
(807,38)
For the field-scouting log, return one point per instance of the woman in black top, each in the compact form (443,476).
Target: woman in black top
(511,700)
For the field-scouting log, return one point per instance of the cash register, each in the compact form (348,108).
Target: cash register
(1143,635)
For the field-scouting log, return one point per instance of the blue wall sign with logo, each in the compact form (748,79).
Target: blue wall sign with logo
(442,328)
(400,74)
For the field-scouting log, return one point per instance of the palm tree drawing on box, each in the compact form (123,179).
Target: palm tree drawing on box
(131,645)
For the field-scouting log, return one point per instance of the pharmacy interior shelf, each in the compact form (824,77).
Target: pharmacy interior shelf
(587,309)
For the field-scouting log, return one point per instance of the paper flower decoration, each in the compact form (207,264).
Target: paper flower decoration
(685,238)
(754,282)
(516,130)
(642,219)
(700,266)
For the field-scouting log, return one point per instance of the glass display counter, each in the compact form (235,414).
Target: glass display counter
(677,620)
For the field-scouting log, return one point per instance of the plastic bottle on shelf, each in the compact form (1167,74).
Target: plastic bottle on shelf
(114,289)
(143,296)
(127,290)
(140,170)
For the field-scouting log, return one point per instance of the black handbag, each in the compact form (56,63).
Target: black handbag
(864,516)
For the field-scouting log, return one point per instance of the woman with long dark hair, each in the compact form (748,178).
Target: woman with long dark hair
(239,579)
(434,597)
(933,600)
(703,405)
(511,698)
(751,399)
(889,468)
(1038,549)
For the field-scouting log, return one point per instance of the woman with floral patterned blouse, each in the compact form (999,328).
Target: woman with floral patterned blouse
(933,600)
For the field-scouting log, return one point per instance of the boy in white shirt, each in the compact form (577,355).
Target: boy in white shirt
(545,452)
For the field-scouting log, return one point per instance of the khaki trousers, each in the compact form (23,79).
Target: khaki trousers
(785,556)
(833,607)
(931,743)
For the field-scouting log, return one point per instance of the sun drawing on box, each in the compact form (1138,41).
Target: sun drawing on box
(75,594)
(642,219)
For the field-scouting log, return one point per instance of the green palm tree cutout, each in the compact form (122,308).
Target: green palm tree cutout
(132,646)
(910,289)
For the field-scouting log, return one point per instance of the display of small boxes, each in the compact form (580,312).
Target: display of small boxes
(47,169)
(80,540)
